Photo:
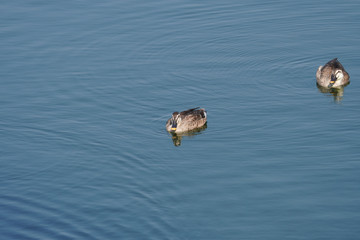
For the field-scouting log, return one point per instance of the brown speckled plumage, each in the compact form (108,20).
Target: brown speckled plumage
(186,120)
(329,71)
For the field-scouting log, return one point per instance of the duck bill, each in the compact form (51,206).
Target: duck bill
(332,81)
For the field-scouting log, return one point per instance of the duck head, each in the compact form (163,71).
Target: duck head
(338,76)
(174,121)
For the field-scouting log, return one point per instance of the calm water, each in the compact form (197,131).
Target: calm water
(86,89)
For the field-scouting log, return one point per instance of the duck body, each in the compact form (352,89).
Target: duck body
(332,75)
(186,120)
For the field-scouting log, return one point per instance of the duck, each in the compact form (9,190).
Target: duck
(186,120)
(332,75)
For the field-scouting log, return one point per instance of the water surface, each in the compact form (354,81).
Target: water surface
(87,88)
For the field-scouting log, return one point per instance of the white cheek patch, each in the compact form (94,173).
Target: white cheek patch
(339,75)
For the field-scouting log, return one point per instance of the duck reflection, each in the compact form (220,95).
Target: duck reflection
(337,93)
(177,137)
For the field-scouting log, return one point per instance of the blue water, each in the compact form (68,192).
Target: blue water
(86,89)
